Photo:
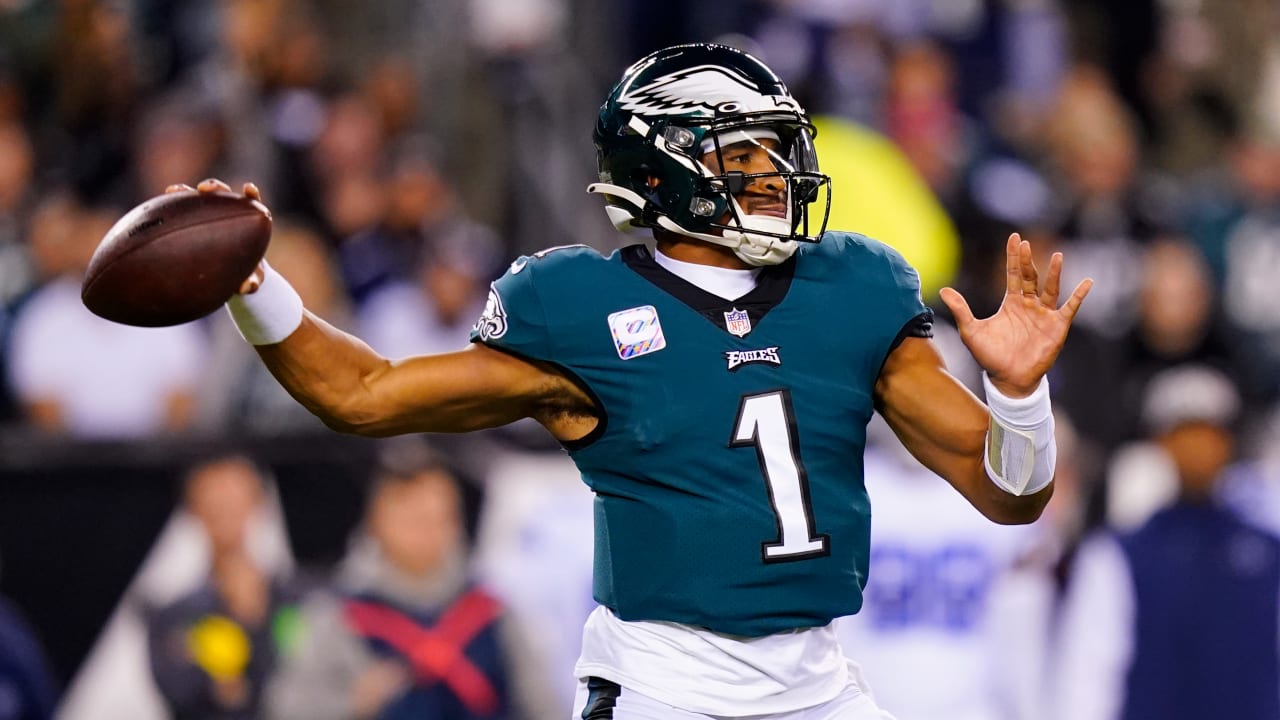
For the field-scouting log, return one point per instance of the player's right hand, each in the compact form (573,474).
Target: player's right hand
(254,281)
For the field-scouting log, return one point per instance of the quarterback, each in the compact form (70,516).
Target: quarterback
(714,389)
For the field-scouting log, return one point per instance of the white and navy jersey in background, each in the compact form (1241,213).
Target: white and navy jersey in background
(925,636)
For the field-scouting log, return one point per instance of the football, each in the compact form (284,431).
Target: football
(176,258)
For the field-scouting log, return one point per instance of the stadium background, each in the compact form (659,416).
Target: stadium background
(399,137)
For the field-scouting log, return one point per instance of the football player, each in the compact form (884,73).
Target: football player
(714,391)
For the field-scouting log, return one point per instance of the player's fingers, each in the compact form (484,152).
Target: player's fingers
(1027,276)
(1077,296)
(1052,282)
(251,191)
(958,306)
(179,187)
(213,185)
(1013,265)
(253,282)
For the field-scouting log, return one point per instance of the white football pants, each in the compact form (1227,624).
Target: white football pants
(853,703)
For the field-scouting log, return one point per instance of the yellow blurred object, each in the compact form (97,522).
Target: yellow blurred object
(219,646)
(876,192)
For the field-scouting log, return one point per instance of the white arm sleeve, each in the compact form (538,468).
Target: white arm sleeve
(1020,453)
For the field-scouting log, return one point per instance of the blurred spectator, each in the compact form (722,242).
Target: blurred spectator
(1120,38)
(434,282)
(1236,223)
(27,61)
(336,179)
(99,91)
(17,194)
(1205,69)
(1178,320)
(17,268)
(177,35)
(26,685)
(213,650)
(987,192)
(392,87)
(406,633)
(1177,619)
(235,78)
(76,373)
(179,140)
(1104,209)
(416,201)
(922,118)
(115,682)
(533,548)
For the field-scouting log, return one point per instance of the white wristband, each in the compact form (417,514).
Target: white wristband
(1020,413)
(271,313)
(1020,454)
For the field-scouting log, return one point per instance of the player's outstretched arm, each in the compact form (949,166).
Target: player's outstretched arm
(945,427)
(1000,456)
(354,389)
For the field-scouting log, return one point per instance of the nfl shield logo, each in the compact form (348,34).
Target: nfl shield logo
(737,322)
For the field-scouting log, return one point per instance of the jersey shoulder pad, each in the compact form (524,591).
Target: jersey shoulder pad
(873,260)
(515,316)
(875,268)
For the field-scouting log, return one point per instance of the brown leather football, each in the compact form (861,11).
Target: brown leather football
(176,258)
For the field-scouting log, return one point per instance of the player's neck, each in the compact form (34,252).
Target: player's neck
(678,247)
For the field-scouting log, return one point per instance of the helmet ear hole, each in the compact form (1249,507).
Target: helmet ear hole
(641,177)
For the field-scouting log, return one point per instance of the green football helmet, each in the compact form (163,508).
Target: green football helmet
(676,105)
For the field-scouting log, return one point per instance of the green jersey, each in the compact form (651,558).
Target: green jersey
(727,465)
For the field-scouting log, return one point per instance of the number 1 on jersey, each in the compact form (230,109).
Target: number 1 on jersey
(767,422)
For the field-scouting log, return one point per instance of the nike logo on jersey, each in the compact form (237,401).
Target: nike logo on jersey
(738,358)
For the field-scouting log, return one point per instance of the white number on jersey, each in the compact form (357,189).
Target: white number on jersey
(766,421)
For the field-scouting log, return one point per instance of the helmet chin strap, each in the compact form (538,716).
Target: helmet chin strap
(752,248)
(763,247)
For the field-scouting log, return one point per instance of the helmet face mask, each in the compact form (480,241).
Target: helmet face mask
(686,104)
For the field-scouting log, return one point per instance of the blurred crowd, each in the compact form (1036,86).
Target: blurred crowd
(410,149)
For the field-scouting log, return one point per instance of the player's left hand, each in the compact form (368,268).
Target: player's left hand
(1018,344)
